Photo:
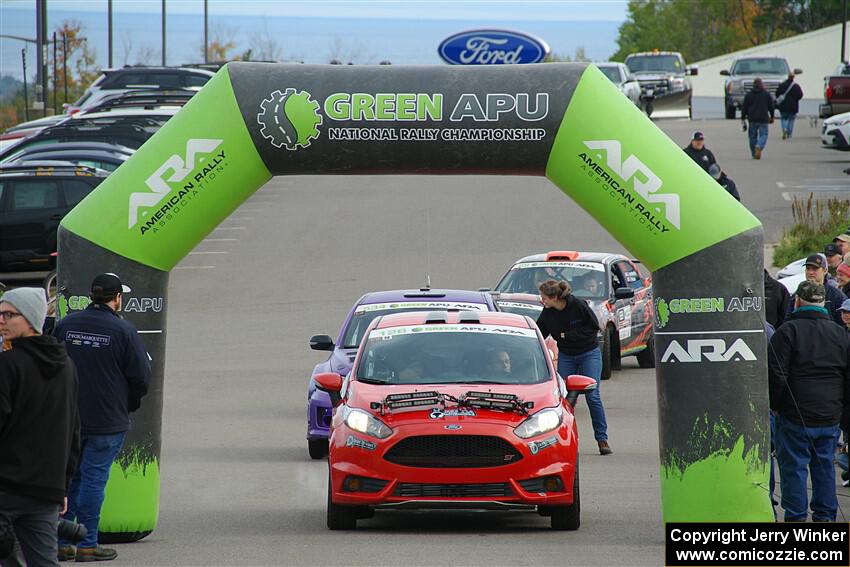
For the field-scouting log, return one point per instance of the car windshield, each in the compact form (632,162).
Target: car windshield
(654,63)
(520,308)
(587,279)
(453,354)
(366,313)
(762,66)
(613,73)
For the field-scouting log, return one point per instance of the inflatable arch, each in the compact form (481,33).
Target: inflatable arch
(565,121)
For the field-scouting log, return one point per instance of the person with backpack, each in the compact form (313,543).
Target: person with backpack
(788,96)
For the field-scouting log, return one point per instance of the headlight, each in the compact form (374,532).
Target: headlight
(677,84)
(539,423)
(364,422)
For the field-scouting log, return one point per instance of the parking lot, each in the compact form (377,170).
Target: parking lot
(238,487)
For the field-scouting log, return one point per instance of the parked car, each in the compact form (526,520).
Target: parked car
(664,79)
(144,98)
(129,78)
(773,71)
(835,133)
(836,92)
(93,154)
(364,311)
(430,417)
(14,134)
(34,197)
(613,286)
(620,75)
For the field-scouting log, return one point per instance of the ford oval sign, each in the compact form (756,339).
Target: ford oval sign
(492,47)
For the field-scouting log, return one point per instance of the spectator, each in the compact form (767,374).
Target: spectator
(39,429)
(697,151)
(571,322)
(816,267)
(776,300)
(788,96)
(845,314)
(758,109)
(114,375)
(725,181)
(808,376)
(842,278)
(833,257)
(843,243)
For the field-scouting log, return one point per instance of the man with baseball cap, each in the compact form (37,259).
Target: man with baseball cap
(843,242)
(39,430)
(114,375)
(845,314)
(697,151)
(816,271)
(808,365)
(833,257)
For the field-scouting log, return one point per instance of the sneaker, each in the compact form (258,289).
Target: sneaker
(604,448)
(784,135)
(66,553)
(757,154)
(98,553)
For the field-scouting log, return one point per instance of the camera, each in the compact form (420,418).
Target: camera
(71,531)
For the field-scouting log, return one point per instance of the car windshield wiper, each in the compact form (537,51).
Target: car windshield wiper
(371,381)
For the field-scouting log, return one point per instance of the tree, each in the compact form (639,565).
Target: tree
(220,42)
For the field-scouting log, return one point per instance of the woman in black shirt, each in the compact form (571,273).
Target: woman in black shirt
(574,326)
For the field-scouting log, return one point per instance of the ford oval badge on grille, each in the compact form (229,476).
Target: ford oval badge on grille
(453,427)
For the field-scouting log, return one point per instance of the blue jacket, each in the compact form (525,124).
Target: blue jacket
(112,364)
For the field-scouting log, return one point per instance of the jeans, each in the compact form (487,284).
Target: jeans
(588,364)
(88,485)
(757,132)
(34,523)
(799,448)
(787,121)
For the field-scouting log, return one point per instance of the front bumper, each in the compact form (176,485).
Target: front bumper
(825,110)
(319,414)
(518,485)
(834,138)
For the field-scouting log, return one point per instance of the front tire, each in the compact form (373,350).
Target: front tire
(646,357)
(340,517)
(318,448)
(568,518)
(730,111)
(607,346)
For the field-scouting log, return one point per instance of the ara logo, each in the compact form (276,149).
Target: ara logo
(711,350)
(179,167)
(289,119)
(646,183)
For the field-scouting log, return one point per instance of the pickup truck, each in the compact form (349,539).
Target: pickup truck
(836,92)
(772,70)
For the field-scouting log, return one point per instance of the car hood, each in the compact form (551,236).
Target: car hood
(543,395)
(655,75)
(837,118)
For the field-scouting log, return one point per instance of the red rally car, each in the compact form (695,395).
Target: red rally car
(453,410)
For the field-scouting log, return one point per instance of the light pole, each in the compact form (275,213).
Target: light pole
(163,33)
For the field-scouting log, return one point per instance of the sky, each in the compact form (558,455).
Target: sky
(514,10)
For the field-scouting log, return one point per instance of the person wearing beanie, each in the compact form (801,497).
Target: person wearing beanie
(842,278)
(845,314)
(39,429)
(808,365)
(114,376)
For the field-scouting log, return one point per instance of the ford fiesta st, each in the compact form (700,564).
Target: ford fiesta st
(453,410)
(614,287)
(364,311)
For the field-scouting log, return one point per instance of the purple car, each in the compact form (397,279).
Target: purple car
(371,305)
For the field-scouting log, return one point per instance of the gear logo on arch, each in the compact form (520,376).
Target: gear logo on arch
(289,119)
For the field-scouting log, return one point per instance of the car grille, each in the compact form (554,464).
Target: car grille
(453,490)
(769,86)
(453,451)
(658,87)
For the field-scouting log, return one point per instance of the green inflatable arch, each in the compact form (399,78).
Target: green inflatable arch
(565,121)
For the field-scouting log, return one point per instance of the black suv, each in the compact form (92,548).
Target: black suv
(34,197)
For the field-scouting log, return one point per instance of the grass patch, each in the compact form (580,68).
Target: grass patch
(816,222)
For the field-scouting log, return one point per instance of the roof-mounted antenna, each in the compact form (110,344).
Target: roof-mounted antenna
(427,281)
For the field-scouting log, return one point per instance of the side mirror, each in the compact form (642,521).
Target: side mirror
(725,72)
(65,105)
(321,342)
(330,382)
(798,71)
(580,384)
(624,293)
(693,71)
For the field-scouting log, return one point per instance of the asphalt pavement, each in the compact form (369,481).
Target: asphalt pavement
(238,487)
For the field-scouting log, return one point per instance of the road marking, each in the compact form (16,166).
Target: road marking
(250,210)
(787,196)
(780,185)
(817,188)
(229,228)
(193,268)
(207,252)
(220,239)
(240,218)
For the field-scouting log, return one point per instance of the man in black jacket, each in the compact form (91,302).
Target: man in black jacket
(39,428)
(788,95)
(776,300)
(816,271)
(114,375)
(809,375)
(758,109)
(697,151)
